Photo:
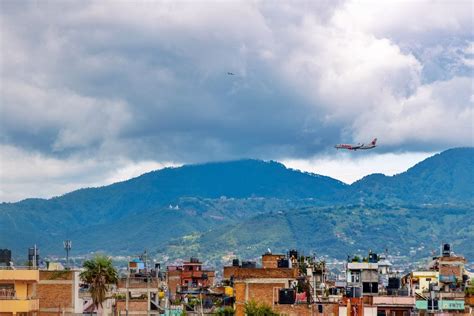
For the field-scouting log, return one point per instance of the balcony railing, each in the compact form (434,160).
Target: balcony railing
(18,268)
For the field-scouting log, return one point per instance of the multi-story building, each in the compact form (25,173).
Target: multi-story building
(138,293)
(363,277)
(188,277)
(18,291)
(58,293)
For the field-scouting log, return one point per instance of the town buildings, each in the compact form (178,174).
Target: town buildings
(289,284)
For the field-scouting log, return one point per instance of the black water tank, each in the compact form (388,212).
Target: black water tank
(31,255)
(446,250)
(235,263)
(283,263)
(5,257)
(293,254)
(286,296)
(320,308)
(373,258)
(249,264)
(393,283)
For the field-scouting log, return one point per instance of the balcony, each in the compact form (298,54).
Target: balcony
(14,305)
(19,274)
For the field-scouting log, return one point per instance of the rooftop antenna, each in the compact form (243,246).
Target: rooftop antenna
(67,246)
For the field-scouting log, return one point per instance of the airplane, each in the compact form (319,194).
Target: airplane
(358,146)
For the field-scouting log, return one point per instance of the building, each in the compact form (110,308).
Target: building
(260,284)
(363,277)
(138,293)
(58,292)
(18,291)
(189,277)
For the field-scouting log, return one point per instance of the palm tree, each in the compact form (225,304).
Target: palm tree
(99,273)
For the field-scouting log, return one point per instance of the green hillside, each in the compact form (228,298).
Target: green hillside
(249,205)
(337,231)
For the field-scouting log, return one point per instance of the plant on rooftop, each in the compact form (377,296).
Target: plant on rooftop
(225,311)
(252,308)
(99,274)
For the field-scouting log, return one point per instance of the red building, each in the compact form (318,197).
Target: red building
(189,276)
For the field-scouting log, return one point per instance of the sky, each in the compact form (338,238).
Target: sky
(94,92)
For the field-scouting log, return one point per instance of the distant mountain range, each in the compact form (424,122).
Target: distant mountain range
(246,206)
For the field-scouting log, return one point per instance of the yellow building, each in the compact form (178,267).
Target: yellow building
(419,281)
(18,291)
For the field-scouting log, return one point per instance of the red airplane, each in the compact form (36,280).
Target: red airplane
(358,146)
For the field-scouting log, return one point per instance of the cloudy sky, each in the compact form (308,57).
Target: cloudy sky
(93,92)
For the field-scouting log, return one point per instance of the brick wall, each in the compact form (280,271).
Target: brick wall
(55,295)
(248,273)
(307,310)
(55,290)
(270,260)
(133,306)
(447,270)
(174,279)
(259,292)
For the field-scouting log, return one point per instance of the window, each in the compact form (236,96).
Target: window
(355,277)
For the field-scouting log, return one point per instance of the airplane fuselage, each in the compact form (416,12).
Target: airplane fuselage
(358,146)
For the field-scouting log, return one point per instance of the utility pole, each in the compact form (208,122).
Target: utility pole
(34,257)
(127,285)
(67,246)
(147,283)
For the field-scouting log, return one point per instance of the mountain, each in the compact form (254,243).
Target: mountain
(193,207)
(336,231)
(445,177)
(98,217)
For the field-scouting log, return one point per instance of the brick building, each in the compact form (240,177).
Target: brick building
(58,292)
(259,284)
(189,276)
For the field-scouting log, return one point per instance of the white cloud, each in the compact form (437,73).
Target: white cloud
(352,166)
(26,174)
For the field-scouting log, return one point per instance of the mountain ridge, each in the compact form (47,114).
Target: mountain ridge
(131,214)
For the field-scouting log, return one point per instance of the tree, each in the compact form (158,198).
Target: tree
(99,274)
(224,311)
(253,308)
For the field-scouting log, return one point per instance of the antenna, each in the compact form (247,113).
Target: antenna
(67,246)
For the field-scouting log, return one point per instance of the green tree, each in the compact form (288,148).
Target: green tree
(252,308)
(224,311)
(99,274)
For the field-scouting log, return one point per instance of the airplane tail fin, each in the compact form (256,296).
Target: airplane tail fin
(374,141)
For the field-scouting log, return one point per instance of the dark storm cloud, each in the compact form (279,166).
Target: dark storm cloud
(127,82)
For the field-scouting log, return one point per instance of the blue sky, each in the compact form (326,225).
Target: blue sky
(94,92)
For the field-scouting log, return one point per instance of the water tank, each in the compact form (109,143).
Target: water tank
(194,260)
(283,263)
(286,296)
(293,254)
(249,264)
(446,250)
(5,257)
(31,255)
(235,263)
(394,283)
(373,258)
